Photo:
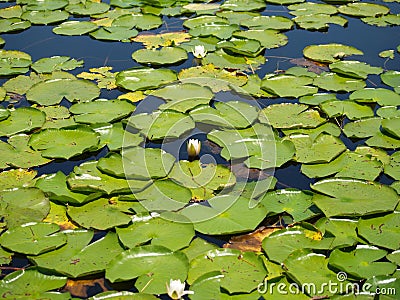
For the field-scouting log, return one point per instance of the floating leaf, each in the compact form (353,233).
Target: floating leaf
(222,59)
(16,178)
(87,8)
(387,54)
(144,78)
(153,266)
(288,85)
(363,9)
(79,257)
(392,78)
(162,124)
(350,109)
(242,270)
(65,142)
(46,237)
(392,169)
(139,21)
(392,126)
(288,115)
(335,82)
(353,68)
(380,95)
(23,119)
(13,24)
(243,5)
(199,21)
(268,38)
(14,62)
(45,4)
(344,231)
(363,128)
(23,205)
(164,56)
(362,262)
(114,33)
(381,231)
(51,92)
(329,53)
(75,27)
(102,75)
(162,39)
(219,30)
(11,12)
(174,234)
(50,64)
(352,197)
(311,8)
(384,141)
(45,16)
(318,21)
(100,214)
(268,22)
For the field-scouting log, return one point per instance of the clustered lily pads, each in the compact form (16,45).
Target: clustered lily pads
(98,188)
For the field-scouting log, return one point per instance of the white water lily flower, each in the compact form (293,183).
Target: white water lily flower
(199,51)
(193,147)
(176,289)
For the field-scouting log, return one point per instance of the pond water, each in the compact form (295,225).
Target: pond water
(332,186)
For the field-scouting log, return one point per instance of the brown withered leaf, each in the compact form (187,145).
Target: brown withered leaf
(241,171)
(79,288)
(312,66)
(251,241)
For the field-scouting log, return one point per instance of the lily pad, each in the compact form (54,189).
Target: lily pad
(87,8)
(268,38)
(51,92)
(222,59)
(243,5)
(101,111)
(312,8)
(165,39)
(220,30)
(164,56)
(381,231)
(45,4)
(392,78)
(318,21)
(268,22)
(380,95)
(78,257)
(23,205)
(115,137)
(45,16)
(23,119)
(350,109)
(198,21)
(392,169)
(174,235)
(329,53)
(344,231)
(353,68)
(363,128)
(353,197)
(362,262)
(139,21)
(46,237)
(14,62)
(242,270)
(384,141)
(17,178)
(100,214)
(337,83)
(114,33)
(13,24)
(75,28)
(226,214)
(65,142)
(153,266)
(363,9)
(288,85)
(55,63)
(144,78)
(288,115)
(232,114)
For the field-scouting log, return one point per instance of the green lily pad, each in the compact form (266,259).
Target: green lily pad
(45,4)
(14,11)
(232,114)
(46,237)
(392,126)
(220,30)
(139,21)
(151,265)
(363,9)
(328,128)
(78,257)
(288,115)
(296,203)
(199,21)
(162,124)
(281,243)
(387,283)
(165,39)
(18,284)
(202,180)
(268,22)
(318,21)
(353,197)
(344,231)
(362,262)
(114,33)
(392,169)
(55,63)
(363,128)
(65,142)
(87,8)
(383,21)
(115,137)
(387,54)
(45,16)
(222,59)
(51,92)
(55,186)
(17,178)
(268,38)
(288,85)
(381,231)
(226,214)
(174,235)
(117,295)
(351,109)
(335,82)
(23,119)
(243,271)
(394,257)
(75,27)
(100,214)
(311,8)
(14,62)
(207,286)
(23,205)
(392,78)
(17,153)
(101,111)
(320,273)
(384,141)
(243,5)
(329,53)
(88,178)
(380,95)
(353,68)
(164,56)
(348,164)
(13,24)
(144,78)
(317,99)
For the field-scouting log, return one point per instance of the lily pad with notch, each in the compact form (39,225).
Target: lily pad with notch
(22,119)
(163,56)
(75,28)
